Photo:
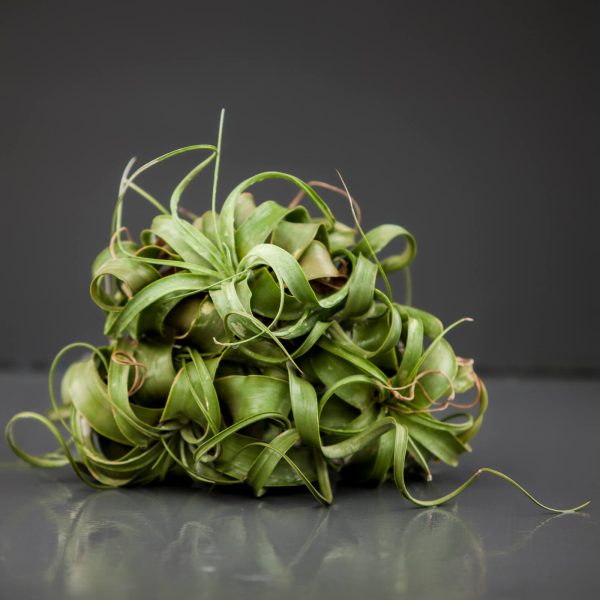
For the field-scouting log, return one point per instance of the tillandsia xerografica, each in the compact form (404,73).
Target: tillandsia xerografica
(259,345)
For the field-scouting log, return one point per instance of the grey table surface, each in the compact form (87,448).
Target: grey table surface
(59,539)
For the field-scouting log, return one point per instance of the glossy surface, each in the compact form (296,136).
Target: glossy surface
(59,539)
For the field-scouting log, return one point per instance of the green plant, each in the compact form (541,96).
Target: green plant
(253,345)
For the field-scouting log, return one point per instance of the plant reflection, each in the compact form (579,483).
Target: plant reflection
(168,540)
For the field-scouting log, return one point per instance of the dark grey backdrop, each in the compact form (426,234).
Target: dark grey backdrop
(473,124)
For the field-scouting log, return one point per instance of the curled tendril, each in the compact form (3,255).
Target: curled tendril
(253,346)
(121,357)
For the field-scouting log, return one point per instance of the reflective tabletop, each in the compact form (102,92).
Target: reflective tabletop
(59,539)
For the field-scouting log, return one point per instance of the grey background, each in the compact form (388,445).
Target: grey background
(473,124)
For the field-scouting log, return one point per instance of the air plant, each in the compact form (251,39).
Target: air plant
(256,345)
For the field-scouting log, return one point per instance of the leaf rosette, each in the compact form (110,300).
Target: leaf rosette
(261,345)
